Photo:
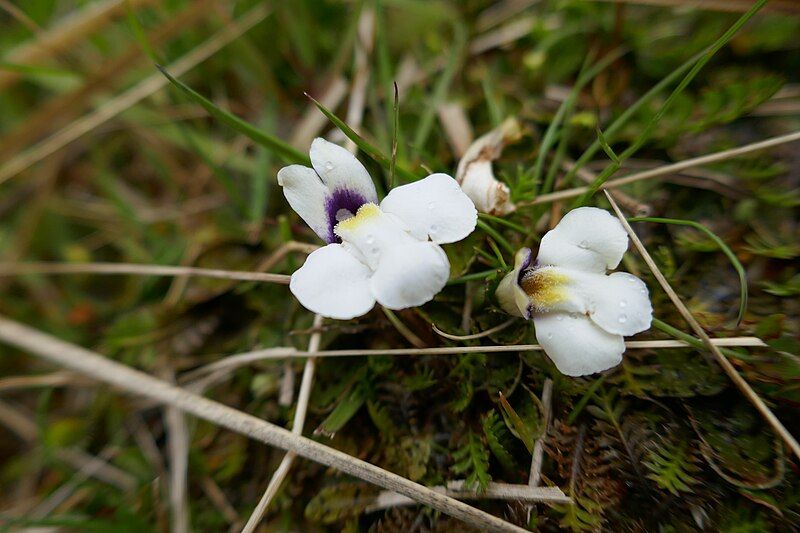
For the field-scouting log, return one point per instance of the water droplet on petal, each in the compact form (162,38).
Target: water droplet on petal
(623,319)
(643,291)
(549,335)
(370,239)
(328,166)
(583,244)
(376,250)
(632,279)
(431,205)
(623,303)
(434,229)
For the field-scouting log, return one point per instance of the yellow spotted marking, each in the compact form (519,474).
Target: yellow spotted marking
(365,212)
(546,288)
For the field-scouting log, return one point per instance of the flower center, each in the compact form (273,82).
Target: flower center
(546,287)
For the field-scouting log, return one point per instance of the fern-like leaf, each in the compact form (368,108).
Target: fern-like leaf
(472,461)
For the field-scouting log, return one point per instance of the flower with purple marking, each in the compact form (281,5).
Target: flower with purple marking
(580,313)
(387,253)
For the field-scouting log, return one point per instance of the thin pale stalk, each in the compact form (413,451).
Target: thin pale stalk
(18,269)
(538,448)
(726,365)
(297,428)
(242,359)
(133,381)
(494,491)
(132,96)
(672,168)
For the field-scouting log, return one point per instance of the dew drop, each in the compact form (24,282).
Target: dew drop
(623,319)
(549,335)
(328,166)
(623,303)
(583,244)
(376,250)
(431,205)
(434,229)
(643,291)
(370,239)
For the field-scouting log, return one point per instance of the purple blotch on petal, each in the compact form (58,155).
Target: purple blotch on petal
(341,199)
(526,263)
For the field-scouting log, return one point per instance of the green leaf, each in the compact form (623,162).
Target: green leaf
(285,151)
(343,412)
(372,152)
(343,500)
(472,460)
(737,265)
(495,431)
(696,65)
(526,426)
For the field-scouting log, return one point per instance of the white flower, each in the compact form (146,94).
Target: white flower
(388,254)
(580,313)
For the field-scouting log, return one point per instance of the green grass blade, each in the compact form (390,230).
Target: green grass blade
(285,151)
(743,295)
(694,341)
(372,152)
(645,135)
(586,75)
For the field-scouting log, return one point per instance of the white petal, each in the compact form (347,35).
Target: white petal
(341,171)
(371,232)
(577,345)
(435,206)
(308,196)
(618,303)
(333,283)
(410,275)
(587,238)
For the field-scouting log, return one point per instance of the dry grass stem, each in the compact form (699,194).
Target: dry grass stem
(313,121)
(494,491)
(726,365)
(132,96)
(136,382)
(672,168)
(731,6)
(54,379)
(18,269)
(538,448)
(245,358)
(506,34)
(67,33)
(631,204)
(25,428)
(500,12)
(178,441)
(297,428)
(457,127)
(220,501)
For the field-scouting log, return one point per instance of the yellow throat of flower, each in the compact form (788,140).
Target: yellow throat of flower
(365,213)
(546,287)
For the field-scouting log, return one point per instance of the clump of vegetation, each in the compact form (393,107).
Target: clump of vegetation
(104,159)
